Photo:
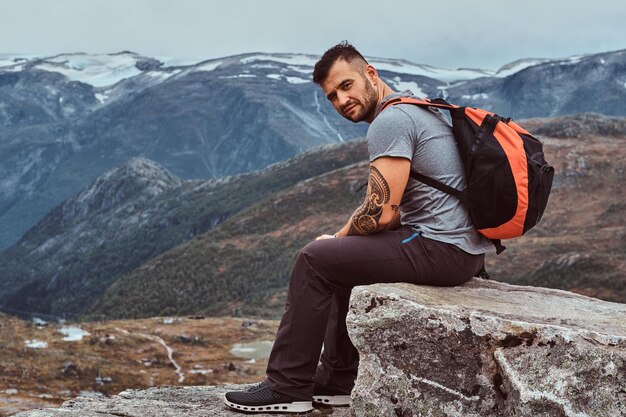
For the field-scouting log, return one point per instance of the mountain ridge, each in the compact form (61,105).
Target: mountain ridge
(83,245)
(229,115)
(225,246)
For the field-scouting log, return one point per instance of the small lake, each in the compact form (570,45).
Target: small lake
(73,334)
(253,350)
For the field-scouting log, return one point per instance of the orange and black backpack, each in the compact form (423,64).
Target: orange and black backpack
(508,179)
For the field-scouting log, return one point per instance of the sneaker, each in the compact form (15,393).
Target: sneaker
(323,395)
(261,399)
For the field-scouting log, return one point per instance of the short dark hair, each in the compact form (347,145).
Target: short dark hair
(343,51)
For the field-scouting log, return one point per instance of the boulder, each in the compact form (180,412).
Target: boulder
(486,349)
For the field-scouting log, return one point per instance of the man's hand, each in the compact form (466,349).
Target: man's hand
(325,237)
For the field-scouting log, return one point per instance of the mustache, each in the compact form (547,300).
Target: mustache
(348,104)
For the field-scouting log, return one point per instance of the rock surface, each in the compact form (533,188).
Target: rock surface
(484,349)
(162,402)
(487,349)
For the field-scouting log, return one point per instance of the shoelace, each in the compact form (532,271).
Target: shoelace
(256,386)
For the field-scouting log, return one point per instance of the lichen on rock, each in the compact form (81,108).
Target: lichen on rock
(187,401)
(486,349)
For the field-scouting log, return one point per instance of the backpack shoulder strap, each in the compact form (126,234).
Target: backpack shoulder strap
(437,102)
(439,185)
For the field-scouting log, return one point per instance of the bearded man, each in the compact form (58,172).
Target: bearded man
(405,231)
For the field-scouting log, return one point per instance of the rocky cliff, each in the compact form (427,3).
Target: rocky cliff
(483,349)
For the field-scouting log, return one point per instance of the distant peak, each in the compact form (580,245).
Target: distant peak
(138,179)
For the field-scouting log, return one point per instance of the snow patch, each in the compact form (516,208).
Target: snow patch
(290,80)
(15,68)
(11,60)
(73,334)
(305,64)
(162,75)
(442,74)
(263,66)
(239,76)
(201,371)
(290,59)
(475,96)
(517,66)
(400,85)
(99,70)
(208,66)
(575,59)
(39,322)
(306,70)
(101,97)
(169,61)
(36,344)
(296,80)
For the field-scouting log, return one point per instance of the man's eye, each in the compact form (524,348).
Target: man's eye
(347,86)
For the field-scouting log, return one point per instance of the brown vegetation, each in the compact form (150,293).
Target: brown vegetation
(126,351)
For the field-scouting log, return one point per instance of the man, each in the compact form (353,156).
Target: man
(405,231)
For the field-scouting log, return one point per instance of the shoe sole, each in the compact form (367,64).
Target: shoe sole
(294,407)
(332,399)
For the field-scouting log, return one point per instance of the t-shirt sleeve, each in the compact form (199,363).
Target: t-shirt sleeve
(390,135)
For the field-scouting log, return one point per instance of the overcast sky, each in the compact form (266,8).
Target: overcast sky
(445,33)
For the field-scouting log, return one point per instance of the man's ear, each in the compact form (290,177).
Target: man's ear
(371,74)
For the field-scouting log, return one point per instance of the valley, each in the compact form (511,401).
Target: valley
(38,368)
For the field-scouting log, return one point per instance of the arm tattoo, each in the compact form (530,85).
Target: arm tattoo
(365,218)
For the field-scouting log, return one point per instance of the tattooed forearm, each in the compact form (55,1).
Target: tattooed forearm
(365,219)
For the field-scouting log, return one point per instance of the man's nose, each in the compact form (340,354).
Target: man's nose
(343,98)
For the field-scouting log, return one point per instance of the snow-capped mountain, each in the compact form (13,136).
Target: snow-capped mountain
(66,119)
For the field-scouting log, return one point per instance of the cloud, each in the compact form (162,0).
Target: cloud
(454,33)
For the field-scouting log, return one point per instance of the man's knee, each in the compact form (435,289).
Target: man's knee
(311,254)
(315,260)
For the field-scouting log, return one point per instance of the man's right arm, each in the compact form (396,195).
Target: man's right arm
(381,208)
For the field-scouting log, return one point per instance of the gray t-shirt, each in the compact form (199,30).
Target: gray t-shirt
(424,136)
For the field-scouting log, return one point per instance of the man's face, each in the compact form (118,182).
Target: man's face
(350,91)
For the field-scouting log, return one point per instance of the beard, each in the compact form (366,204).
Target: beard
(365,107)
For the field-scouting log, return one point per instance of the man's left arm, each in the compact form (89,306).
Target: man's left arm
(380,211)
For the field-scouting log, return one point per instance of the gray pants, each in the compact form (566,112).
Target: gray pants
(323,275)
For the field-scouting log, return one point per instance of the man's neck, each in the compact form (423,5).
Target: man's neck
(383,91)
(386,90)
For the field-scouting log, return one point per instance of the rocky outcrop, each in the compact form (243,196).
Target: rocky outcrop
(484,349)
(162,402)
(487,349)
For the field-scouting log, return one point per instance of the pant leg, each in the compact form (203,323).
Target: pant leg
(325,266)
(340,359)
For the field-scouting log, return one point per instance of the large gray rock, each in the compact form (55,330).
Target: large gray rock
(192,401)
(487,349)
